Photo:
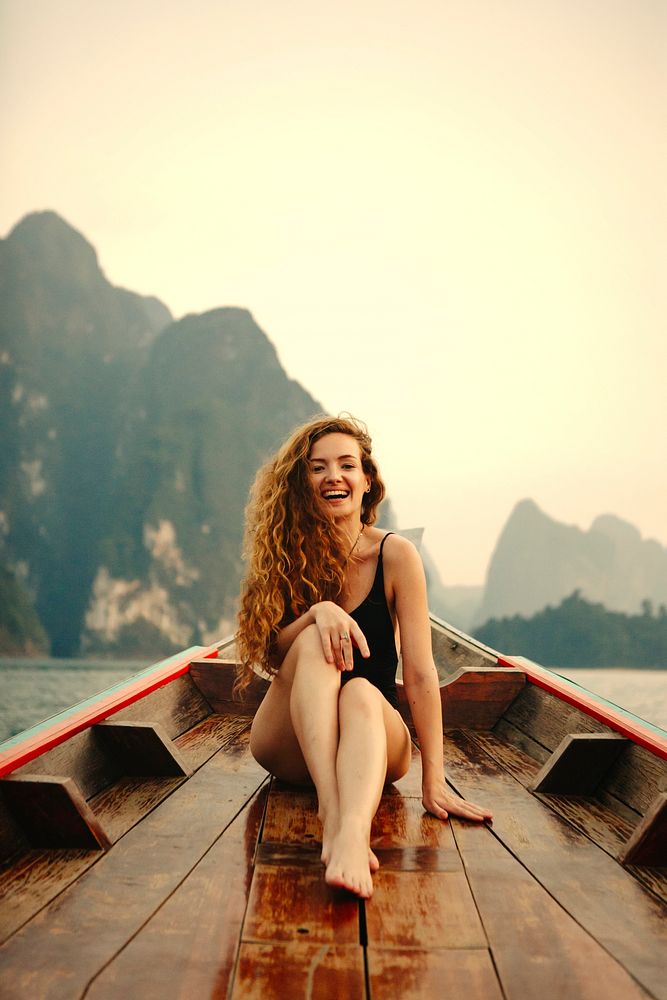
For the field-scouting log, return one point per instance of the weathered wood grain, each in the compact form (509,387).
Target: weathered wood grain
(648,843)
(450,652)
(607,826)
(188,948)
(293,903)
(579,763)
(45,958)
(508,732)
(208,736)
(34,879)
(402,974)
(176,707)
(128,800)
(538,949)
(636,778)
(291,971)
(291,817)
(52,812)
(215,680)
(422,910)
(580,876)
(476,697)
(143,748)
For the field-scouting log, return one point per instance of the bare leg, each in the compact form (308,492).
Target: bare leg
(295,735)
(369,730)
(295,731)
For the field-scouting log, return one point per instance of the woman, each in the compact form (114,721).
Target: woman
(325,593)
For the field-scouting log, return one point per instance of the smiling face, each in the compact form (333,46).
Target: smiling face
(337,476)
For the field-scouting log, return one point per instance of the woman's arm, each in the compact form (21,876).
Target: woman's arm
(420,677)
(332,622)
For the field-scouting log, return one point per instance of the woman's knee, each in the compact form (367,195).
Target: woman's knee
(359,695)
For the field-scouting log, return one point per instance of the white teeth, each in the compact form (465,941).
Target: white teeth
(334,495)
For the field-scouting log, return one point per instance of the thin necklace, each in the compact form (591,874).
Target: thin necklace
(354,546)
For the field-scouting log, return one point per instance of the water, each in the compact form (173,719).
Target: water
(33,690)
(642,692)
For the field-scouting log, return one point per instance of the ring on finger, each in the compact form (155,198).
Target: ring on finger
(344,637)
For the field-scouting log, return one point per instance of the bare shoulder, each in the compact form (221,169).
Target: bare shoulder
(401,557)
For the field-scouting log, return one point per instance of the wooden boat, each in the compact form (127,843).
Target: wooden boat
(147,855)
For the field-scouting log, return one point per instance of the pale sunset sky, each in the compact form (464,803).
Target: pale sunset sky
(448,217)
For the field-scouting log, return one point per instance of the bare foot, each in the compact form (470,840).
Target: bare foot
(349,862)
(373,862)
(329,831)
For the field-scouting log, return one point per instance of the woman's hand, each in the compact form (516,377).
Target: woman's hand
(441,801)
(338,631)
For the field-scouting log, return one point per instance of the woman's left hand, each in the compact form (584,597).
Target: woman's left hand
(441,801)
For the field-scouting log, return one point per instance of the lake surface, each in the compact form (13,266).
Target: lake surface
(34,690)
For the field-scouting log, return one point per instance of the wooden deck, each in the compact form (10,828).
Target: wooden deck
(213,888)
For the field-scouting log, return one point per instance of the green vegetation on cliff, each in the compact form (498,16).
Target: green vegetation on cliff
(21,632)
(579,633)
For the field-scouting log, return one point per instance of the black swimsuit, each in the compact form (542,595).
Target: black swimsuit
(373,618)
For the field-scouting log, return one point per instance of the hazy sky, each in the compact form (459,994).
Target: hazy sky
(449,217)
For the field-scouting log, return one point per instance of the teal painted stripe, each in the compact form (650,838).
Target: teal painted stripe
(604,702)
(144,674)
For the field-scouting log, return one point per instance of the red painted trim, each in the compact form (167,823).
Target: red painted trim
(64,728)
(644,736)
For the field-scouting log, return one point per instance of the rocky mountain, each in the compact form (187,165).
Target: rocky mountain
(70,344)
(210,404)
(539,561)
(127,445)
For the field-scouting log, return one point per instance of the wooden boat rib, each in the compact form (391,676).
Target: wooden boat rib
(146,854)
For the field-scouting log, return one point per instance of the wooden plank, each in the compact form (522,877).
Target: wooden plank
(293,903)
(412,859)
(34,879)
(215,680)
(606,826)
(508,732)
(208,736)
(547,719)
(35,742)
(45,958)
(188,948)
(403,822)
(12,838)
(291,817)
(594,889)
(128,801)
(538,949)
(52,812)
(411,909)
(176,707)
(635,778)
(578,764)
(424,975)
(144,748)
(648,844)
(291,971)
(475,698)
(644,734)
(452,650)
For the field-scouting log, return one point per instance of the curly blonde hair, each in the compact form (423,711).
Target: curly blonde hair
(296,556)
